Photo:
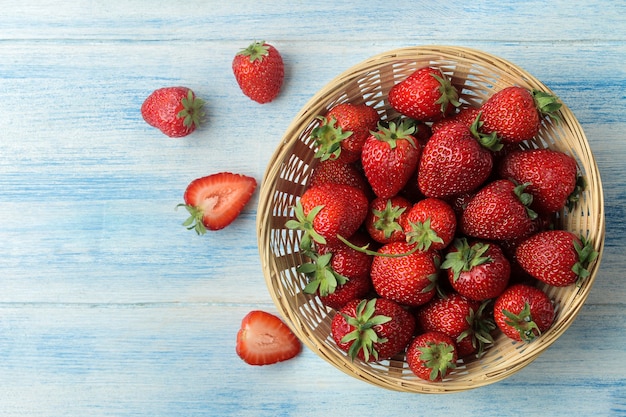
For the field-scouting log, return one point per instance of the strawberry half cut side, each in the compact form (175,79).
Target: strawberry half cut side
(215,201)
(264,339)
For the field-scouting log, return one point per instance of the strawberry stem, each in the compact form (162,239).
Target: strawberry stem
(364,249)
(194,221)
(256,51)
(328,138)
(363,335)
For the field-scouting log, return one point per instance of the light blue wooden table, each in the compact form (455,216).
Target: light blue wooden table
(109,307)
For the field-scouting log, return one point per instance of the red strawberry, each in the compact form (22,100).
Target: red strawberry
(409,280)
(515,113)
(215,201)
(344,130)
(384,219)
(328,210)
(426,95)
(389,158)
(523,312)
(432,355)
(175,111)
(552,177)
(259,71)
(337,172)
(264,339)
(464,320)
(478,271)
(556,257)
(453,162)
(338,273)
(430,223)
(466,115)
(498,211)
(373,329)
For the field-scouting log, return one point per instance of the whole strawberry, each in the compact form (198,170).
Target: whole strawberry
(498,211)
(477,270)
(389,158)
(259,71)
(552,177)
(384,219)
(338,273)
(430,224)
(515,113)
(411,279)
(556,257)
(344,130)
(373,329)
(523,312)
(432,356)
(425,95)
(327,211)
(336,172)
(175,111)
(464,320)
(453,162)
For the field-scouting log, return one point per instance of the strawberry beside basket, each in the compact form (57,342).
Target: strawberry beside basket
(477,75)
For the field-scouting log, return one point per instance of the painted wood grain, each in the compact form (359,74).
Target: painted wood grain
(108,307)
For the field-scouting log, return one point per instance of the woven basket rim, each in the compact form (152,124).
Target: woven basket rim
(317,105)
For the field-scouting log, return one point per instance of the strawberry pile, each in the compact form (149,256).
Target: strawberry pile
(428,234)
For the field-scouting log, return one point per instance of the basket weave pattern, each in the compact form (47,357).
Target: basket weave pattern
(477,76)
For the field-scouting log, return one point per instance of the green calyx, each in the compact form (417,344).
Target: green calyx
(421,234)
(526,199)
(490,141)
(322,276)
(586,255)
(438,357)
(304,223)
(449,94)
(194,221)
(328,138)
(574,197)
(395,132)
(481,326)
(387,219)
(523,323)
(546,104)
(256,51)
(191,113)
(466,257)
(364,336)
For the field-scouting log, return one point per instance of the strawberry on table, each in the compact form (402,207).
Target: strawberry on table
(477,270)
(523,312)
(515,113)
(175,111)
(259,71)
(556,257)
(372,329)
(404,275)
(552,177)
(499,211)
(264,339)
(389,158)
(425,95)
(215,201)
(432,355)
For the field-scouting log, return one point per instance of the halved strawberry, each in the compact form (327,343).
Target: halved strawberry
(215,201)
(264,339)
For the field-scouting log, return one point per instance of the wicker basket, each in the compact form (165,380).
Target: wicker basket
(477,75)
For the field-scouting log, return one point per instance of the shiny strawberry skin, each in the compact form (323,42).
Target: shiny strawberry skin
(430,215)
(259,71)
(453,162)
(359,119)
(385,217)
(513,300)
(496,213)
(337,172)
(409,280)
(550,257)
(419,96)
(395,334)
(175,111)
(344,209)
(264,339)
(445,356)
(511,113)
(551,175)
